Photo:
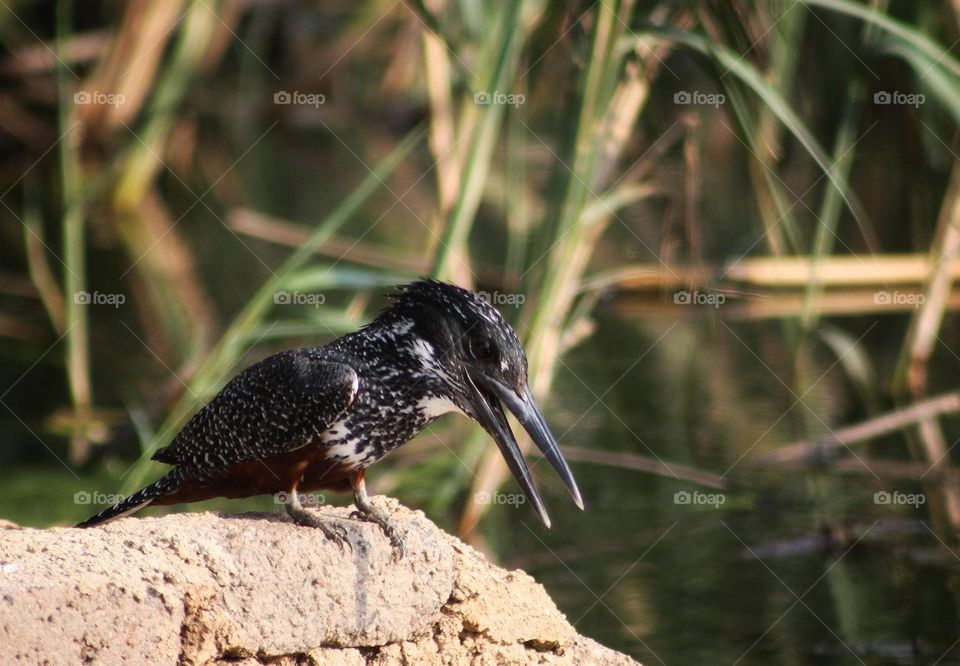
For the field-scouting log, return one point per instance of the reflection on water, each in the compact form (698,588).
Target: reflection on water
(783,566)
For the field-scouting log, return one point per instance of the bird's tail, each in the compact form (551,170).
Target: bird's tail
(139,499)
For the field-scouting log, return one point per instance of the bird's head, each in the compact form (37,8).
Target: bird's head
(464,341)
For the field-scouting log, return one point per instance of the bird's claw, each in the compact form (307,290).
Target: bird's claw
(336,533)
(389,529)
(396,541)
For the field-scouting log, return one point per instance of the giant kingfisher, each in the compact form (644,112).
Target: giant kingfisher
(316,418)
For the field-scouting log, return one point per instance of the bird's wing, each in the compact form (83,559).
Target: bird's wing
(279,404)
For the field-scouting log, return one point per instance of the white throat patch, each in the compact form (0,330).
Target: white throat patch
(435,406)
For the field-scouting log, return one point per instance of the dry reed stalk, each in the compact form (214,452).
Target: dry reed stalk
(282,232)
(861,433)
(168,271)
(923,335)
(129,66)
(760,304)
(880,271)
(442,132)
(639,463)
(41,274)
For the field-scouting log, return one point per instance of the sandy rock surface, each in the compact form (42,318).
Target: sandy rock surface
(203,588)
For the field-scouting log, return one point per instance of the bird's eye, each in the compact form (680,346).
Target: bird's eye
(481,348)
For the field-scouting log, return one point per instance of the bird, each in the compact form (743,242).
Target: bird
(316,418)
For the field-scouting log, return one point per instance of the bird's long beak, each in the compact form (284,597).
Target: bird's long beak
(486,396)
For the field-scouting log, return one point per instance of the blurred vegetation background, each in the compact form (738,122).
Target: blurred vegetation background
(727,233)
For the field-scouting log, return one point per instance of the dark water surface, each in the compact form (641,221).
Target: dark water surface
(784,566)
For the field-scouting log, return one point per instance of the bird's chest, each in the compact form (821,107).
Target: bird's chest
(372,427)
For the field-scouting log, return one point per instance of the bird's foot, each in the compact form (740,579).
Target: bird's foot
(331,529)
(373,514)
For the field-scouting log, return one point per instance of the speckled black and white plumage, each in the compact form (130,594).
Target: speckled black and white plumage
(310,418)
(277,405)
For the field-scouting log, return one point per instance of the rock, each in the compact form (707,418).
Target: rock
(201,588)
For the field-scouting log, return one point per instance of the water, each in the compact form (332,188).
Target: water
(783,567)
